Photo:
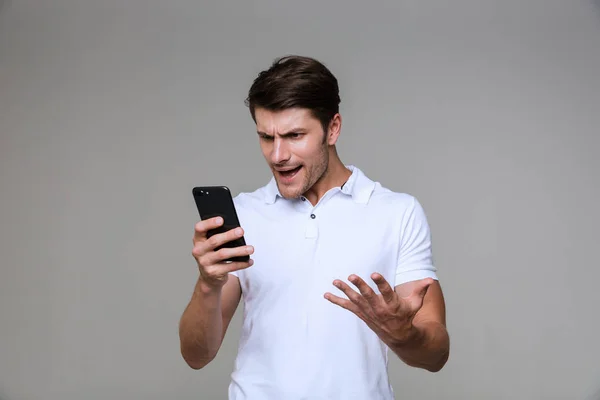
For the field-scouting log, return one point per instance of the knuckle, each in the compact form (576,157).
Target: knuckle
(213,241)
(223,253)
(204,258)
(356,298)
(202,262)
(199,227)
(197,250)
(210,270)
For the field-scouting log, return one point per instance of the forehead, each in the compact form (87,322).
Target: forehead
(279,122)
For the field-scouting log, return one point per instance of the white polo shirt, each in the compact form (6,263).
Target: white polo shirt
(295,344)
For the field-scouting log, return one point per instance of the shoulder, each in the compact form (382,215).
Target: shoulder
(251,200)
(403,210)
(244,199)
(398,202)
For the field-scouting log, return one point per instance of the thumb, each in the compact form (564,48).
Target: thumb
(419,293)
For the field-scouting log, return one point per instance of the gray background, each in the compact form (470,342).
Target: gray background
(111,111)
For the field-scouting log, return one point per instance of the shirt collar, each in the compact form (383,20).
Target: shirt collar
(358,186)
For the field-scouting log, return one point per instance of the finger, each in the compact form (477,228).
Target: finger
(238,265)
(385,289)
(353,296)
(226,253)
(202,227)
(219,272)
(220,239)
(344,303)
(366,291)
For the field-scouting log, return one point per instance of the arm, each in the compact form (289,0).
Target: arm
(216,295)
(205,320)
(426,343)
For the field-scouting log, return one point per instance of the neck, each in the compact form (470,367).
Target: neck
(335,176)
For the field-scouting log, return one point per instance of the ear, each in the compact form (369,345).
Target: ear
(335,126)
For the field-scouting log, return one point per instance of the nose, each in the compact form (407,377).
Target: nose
(281,153)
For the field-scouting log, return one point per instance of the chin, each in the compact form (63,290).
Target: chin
(289,193)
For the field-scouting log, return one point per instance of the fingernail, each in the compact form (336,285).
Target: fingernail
(249,249)
(219,220)
(238,231)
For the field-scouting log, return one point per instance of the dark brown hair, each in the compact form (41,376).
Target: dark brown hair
(296,81)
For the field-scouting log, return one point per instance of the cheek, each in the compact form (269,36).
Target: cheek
(265,149)
(307,149)
(300,147)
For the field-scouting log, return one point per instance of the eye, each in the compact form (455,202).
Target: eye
(266,137)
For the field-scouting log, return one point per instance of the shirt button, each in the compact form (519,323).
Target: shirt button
(313,216)
(303,198)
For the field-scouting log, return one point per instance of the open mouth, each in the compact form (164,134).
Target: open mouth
(289,174)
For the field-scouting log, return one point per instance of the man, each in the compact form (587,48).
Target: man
(341,267)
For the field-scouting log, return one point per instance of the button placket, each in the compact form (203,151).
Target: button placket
(312,228)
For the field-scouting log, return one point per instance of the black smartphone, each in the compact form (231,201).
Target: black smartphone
(216,201)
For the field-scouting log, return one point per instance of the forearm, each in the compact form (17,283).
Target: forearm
(428,347)
(201,326)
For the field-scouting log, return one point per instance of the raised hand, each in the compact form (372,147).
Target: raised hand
(388,314)
(213,270)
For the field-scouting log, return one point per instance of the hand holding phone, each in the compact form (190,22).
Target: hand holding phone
(219,245)
(213,264)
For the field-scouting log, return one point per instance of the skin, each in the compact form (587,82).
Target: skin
(409,318)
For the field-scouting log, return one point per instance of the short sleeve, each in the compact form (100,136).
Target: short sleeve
(415,260)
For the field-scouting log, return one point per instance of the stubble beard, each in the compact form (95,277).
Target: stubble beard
(311,175)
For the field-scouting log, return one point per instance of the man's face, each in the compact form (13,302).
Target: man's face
(295,147)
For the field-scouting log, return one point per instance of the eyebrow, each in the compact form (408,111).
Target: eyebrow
(288,133)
